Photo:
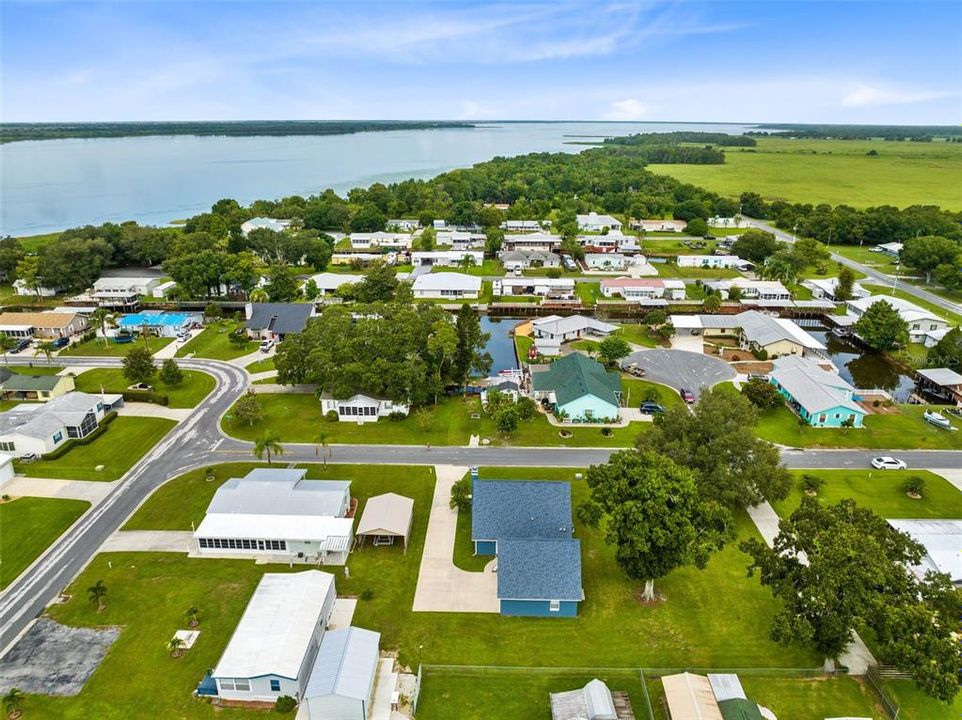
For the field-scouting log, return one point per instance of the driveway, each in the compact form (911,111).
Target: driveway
(149,541)
(681,368)
(442,586)
(686,341)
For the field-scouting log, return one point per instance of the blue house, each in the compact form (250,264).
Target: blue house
(820,397)
(528,526)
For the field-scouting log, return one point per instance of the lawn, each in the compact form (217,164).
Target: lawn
(523,343)
(33,243)
(213,342)
(259,366)
(916,705)
(99,348)
(588,293)
(297,418)
(36,369)
(880,491)
(30,525)
(638,335)
(906,430)
(494,268)
(671,271)
(863,254)
(835,172)
(675,246)
(125,441)
(635,390)
(195,387)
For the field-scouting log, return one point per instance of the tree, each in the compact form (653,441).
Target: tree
(657,520)
(949,275)
(48,349)
(655,317)
(368,218)
(268,444)
(28,272)
(493,238)
(809,252)
(881,326)
(947,352)
(175,646)
(13,703)
(762,394)
(697,227)
(443,346)
(506,420)
(782,266)
(192,615)
(248,410)
(427,239)
(717,441)
(98,595)
(470,354)
(755,245)
(613,348)
(99,318)
(928,252)
(139,365)
(711,304)
(379,285)
(846,281)
(281,283)
(7,344)
(914,485)
(461,494)
(11,253)
(258,295)
(311,291)
(666,330)
(170,373)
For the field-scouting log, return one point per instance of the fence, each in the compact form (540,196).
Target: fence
(874,678)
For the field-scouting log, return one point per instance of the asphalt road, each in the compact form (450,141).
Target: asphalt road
(681,369)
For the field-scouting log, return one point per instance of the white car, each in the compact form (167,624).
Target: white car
(266,345)
(888,463)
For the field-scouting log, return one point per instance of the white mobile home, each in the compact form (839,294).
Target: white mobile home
(545,242)
(613,262)
(593,222)
(446,285)
(924,325)
(365,241)
(361,408)
(36,429)
(328,282)
(558,288)
(446,258)
(712,261)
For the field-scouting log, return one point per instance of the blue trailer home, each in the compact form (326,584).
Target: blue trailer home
(528,526)
(820,397)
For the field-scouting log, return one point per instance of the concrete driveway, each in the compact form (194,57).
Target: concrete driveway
(681,368)
(684,340)
(442,586)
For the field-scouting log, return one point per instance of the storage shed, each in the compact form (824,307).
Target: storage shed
(341,685)
(690,697)
(385,518)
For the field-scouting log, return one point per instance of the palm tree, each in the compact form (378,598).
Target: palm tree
(7,344)
(193,616)
(13,703)
(175,647)
(98,595)
(48,349)
(99,317)
(258,295)
(268,443)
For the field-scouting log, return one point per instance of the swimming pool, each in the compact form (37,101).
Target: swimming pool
(165,321)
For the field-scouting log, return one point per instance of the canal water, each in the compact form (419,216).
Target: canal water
(864,368)
(500,345)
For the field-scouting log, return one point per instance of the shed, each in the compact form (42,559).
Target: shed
(386,517)
(690,697)
(341,683)
(740,709)
(592,702)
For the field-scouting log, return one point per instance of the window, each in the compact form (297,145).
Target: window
(554,605)
(57,437)
(275,685)
(6,446)
(238,684)
(821,418)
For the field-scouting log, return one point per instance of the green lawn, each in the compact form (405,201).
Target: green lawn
(123,443)
(635,389)
(835,172)
(916,705)
(30,525)
(33,243)
(464,556)
(98,348)
(213,342)
(881,491)
(657,245)
(488,267)
(297,418)
(588,293)
(35,369)
(905,430)
(195,387)
(259,366)
(638,335)
(864,255)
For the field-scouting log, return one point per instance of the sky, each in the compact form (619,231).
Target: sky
(765,61)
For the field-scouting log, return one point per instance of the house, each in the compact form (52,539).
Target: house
(545,242)
(37,429)
(554,288)
(690,697)
(45,325)
(820,397)
(40,388)
(274,513)
(506,385)
(942,540)
(446,258)
(341,684)
(446,285)
(613,242)
(643,288)
(328,282)
(459,239)
(593,222)
(524,259)
(606,261)
(517,226)
(6,470)
(942,382)
(361,407)
(754,330)
(592,702)
(123,293)
(403,225)
(893,248)
(274,646)
(579,388)
(380,239)
(263,223)
(159,323)
(924,325)
(713,261)
(385,518)
(351,257)
(163,291)
(23,288)
(767,291)
(527,524)
(277,320)
(825,288)
(558,329)
(658,225)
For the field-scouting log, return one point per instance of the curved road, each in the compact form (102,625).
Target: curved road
(197,442)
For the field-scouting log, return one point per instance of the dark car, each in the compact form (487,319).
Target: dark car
(61,342)
(20,346)
(687,395)
(651,408)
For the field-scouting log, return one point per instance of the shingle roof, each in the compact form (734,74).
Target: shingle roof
(539,569)
(31,383)
(42,420)
(575,376)
(281,318)
(55,320)
(346,664)
(520,509)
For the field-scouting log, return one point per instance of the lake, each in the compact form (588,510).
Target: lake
(500,345)
(50,185)
(866,369)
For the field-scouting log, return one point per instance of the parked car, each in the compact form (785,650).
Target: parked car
(633,369)
(61,342)
(888,463)
(652,408)
(266,345)
(518,272)
(20,346)
(687,395)
(758,376)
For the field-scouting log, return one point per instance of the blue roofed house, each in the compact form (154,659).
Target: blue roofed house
(528,525)
(579,388)
(820,397)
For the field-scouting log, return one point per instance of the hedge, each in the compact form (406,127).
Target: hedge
(101,429)
(148,396)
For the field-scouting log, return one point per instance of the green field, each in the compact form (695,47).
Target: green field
(99,348)
(916,705)
(213,343)
(835,172)
(259,366)
(29,526)
(33,243)
(123,443)
(195,387)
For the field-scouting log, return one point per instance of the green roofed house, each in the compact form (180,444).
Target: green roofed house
(580,388)
(35,387)
(740,709)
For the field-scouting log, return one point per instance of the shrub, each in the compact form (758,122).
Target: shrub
(238,337)
(461,494)
(101,429)
(607,431)
(213,311)
(395,416)
(914,485)
(331,416)
(285,704)
(760,354)
(811,484)
(761,394)
(553,272)
(367,594)
(589,513)
(526,408)
(147,396)
(650,394)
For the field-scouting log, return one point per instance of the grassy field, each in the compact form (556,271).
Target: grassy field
(36,369)
(916,705)
(588,293)
(297,418)
(213,343)
(634,392)
(638,335)
(195,387)
(33,243)
(259,366)
(671,271)
(835,172)
(488,267)
(30,525)
(880,491)
(125,441)
(98,348)
(864,256)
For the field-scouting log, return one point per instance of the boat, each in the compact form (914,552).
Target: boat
(937,419)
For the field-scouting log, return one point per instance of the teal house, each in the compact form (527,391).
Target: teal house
(528,526)
(820,397)
(580,388)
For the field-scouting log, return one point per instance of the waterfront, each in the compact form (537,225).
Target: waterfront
(501,344)
(866,369)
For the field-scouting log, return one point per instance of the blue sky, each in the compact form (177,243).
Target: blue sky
(844,62)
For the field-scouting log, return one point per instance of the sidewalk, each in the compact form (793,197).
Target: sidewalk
(245,360)
(89,490)
(254,377)
(142,409)
(953,475)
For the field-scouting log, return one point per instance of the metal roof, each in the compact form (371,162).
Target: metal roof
(447,281)
(42,420)
(726,686)
(274,634)
(592,702)
(520,509)
(346,664)
(942,540)
(813,387)
(332,280)
(280,318)
(740,709)
(539,569)
(387,514)
(690,697)
(945,377)
(575,376)
(269,491)
(558,325)
(32,383)
(332,534)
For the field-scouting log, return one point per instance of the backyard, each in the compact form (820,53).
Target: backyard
(101,347)
(194,388)
(213,342)
(124,442)
(30,525)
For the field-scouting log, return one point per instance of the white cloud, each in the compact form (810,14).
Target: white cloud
(870,95)
(627,109)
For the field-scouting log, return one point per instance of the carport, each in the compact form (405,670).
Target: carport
(385,518)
